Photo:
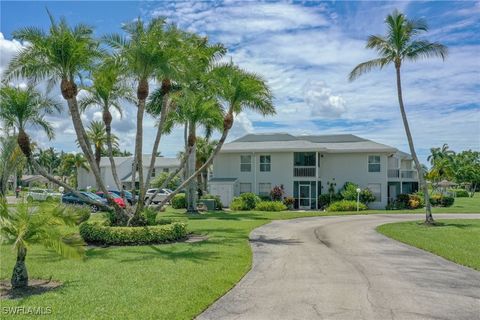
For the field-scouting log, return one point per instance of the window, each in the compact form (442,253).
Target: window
(304,159)
(245,187)
(376,189)
(264,188)
(153,172)
(265,163)
(245,163)
(373,163)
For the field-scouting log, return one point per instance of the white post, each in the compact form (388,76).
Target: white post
(358,199)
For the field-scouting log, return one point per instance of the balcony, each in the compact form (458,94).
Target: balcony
(409,174)
(393,173)
(304,171)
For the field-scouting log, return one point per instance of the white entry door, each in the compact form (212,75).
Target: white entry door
(304,201)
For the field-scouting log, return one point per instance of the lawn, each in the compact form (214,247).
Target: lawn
(457,240)
(173,281)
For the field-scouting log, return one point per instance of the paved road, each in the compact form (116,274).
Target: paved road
(341,268)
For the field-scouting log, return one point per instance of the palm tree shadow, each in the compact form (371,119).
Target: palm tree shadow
(159,253)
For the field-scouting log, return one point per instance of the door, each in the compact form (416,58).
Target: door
(392,192)
(304,201)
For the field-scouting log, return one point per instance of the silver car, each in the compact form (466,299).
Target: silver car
(42,195)
(161,195)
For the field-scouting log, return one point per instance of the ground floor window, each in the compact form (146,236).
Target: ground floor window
(409,187)
(305,194)
(376,189)
(245,187)
(264,189)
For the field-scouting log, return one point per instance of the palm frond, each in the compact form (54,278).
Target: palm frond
(367,66)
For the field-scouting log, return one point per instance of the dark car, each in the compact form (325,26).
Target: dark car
(71,198)
(128,196)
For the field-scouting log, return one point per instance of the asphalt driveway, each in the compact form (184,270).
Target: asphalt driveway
(341,268)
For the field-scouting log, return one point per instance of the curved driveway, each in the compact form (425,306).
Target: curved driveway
(339,267)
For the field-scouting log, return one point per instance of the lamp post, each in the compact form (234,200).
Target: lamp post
(358,199)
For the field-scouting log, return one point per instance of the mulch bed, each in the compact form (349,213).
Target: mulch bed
(35,286)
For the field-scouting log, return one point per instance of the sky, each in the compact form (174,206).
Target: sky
(305,51)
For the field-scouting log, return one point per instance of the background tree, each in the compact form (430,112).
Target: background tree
(11,157)
(398,46)
(159,181)
(25,226)
(97,136)
(72,163)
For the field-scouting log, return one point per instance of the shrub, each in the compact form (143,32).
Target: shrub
(218,202)
(150,216)
(349,192)
(179,201)
(325,199)
(164,221)
(270,206)
(460,193)
(346,205)
(277,193)
(250,200)
(289,202)
(447,201)
(265,197)
(237,204)
(408,201)
(100,234)
(435,199)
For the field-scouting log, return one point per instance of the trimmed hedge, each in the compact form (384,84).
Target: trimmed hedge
(346,205)
(179,201)
(124,236)
(271,206)
(461,193)
(218,202)
(438,200)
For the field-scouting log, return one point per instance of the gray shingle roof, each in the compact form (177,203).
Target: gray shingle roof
(278,142)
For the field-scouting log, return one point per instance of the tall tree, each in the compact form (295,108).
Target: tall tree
(73,162)
(205,148)
(237,90)
(108,90)
(11,157)
(61,55)
(97,135)
(399,45)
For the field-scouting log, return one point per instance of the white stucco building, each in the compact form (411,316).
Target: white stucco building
(124,171)
(307,165)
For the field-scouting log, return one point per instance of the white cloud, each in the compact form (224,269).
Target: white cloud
(322,102)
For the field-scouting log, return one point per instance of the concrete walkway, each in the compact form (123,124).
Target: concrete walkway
(341,268)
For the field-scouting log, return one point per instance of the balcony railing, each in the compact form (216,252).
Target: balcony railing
(393,173)
(304,171)
(409,174)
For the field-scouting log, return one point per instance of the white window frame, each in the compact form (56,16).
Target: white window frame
(372,161)
(245,184)
(244,163)
(378,195)
(265,166)
(261,188)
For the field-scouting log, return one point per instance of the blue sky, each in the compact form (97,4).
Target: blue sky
(305,51)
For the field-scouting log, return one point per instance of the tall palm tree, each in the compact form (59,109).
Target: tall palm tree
(398,46)
(144,58)
(11,157)
(238,90)
(61,55)
(108,90)
(97,135)
(73,162)
(25,226)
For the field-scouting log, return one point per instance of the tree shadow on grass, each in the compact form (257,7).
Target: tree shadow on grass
(262,240)
(441,224)
(225,215)
(156,252)
(35,287)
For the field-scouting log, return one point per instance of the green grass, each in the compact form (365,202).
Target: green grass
(174,281)
(457,240)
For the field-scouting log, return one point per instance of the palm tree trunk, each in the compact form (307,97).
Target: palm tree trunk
(107,119)
(20,275)
(227,125)
(421,174)
(192,185)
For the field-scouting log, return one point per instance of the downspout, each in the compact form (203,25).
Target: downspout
(254,173)
(317,164)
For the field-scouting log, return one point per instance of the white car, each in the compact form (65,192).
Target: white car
(161,195)
(42,195)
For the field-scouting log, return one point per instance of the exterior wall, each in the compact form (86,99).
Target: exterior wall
(338,168)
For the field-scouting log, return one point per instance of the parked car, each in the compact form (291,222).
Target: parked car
(115,197)
(161,195)
(42,195)
(71,198)
(128,196)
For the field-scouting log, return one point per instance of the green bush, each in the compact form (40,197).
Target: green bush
(265,197)
(439,200)
(105,235)
(179,201)
(250,200)
(237,204)
(270,206)
(218,202)
(289,202)
(447,201)
(150,215)
(346,205)
(461,193)
(349,192)
(325,199)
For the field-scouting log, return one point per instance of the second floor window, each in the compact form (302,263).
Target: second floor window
(246,163)
(166,170)
(153,172)
(265,163)
(373,163)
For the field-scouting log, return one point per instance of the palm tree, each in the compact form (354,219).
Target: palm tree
(205,148)
(73,162)
(238,90)
(25,226)
(11,157)
(108,90)
(397,46)
(144,58)
(97,135)
(61,55)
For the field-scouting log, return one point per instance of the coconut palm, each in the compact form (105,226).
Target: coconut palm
(24,226)
(97,135)
(399,45)
(60,55)
(144,58)
(238,90)
(72,163)
(108,90)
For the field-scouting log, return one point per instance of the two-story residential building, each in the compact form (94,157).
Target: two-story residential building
(308,166)
(124,171)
